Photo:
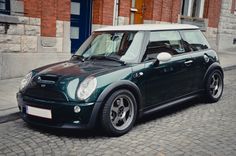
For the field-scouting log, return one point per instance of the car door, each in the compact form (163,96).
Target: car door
(169,80)
(199,48)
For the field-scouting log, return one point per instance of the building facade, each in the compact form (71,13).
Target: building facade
(38,32)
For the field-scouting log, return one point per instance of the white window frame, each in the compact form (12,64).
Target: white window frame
(190,8)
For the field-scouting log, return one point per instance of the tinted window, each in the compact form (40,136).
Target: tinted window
(124,46)
(194,40)
(163,41)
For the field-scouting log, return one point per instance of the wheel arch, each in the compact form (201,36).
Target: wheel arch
(212,67)
(123,84)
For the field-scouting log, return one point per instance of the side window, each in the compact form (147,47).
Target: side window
(194,40)
(163,41)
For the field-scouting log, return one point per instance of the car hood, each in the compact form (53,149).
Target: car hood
(78,68)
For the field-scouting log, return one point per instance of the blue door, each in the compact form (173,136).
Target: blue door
(80,22)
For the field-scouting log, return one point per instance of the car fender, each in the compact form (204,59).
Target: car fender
(212,67)
(122,84)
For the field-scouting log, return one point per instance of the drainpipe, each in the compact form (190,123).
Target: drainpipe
(115,12)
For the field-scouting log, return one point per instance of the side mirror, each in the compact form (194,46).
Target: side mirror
(164,56)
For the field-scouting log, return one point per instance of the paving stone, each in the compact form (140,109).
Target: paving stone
(195,129)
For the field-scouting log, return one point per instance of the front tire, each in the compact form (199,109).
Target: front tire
(119,113)
(214,86)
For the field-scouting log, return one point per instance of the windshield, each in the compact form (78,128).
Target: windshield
(124,46)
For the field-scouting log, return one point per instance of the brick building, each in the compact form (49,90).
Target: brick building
(38,32)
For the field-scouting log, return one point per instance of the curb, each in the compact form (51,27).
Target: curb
(229,68)
(15,115)
(9,117)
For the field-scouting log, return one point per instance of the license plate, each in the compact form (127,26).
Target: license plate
(44,113)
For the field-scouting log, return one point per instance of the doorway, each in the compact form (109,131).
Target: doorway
(137,12)
(80,26)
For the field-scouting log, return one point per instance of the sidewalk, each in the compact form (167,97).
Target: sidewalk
(9,87)
(8,105)
(227,59)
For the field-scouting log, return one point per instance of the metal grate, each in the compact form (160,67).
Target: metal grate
(45,94)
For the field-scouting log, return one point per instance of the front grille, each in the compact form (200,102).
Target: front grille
(45,94)
(47,79)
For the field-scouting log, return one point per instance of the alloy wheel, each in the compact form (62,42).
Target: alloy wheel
(216,85)
(122,112)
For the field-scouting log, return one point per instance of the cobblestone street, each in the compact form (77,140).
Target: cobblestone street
(194,129)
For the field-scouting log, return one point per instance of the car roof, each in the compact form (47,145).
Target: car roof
(148,27)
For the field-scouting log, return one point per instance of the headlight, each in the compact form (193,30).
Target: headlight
(25,81)
(86,88)
(72,87)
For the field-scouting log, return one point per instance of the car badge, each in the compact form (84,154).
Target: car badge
(43,85)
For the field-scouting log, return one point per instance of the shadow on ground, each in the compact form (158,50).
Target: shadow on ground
(98,132)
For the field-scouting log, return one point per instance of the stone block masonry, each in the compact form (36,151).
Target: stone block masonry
(35,33)
(23,35)
(227,27)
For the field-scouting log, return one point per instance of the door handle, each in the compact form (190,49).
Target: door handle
(188,63)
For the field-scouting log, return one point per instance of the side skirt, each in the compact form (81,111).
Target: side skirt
(169,104)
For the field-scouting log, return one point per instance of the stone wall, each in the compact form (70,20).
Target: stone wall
(22,48)
(227,27)
(212,37)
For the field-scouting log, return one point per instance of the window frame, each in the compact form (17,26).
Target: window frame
(176,55)
(182,43)
(6,11)
(203,36)
(190,9)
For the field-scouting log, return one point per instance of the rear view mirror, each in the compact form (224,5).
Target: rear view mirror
(164,56)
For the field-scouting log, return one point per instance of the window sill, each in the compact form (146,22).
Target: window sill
(191,18)
(200,22)
(9,19)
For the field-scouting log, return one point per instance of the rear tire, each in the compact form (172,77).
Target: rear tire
(214,86)
(119,113)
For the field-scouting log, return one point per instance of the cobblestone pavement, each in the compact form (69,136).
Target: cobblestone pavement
(194,129)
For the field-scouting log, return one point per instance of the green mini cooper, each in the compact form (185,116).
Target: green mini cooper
(122,73)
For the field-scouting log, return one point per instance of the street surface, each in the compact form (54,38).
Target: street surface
(193,128)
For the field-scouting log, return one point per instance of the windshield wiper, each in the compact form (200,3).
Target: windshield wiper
(103,57)
(77,57)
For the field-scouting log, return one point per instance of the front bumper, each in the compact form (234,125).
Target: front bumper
(63,115)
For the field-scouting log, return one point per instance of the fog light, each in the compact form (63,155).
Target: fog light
(77,109)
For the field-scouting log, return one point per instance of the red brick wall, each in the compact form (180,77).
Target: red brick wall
(148,13)
(124,8)
(233,6)
(49,11)
(108,8)
(176,7)
(206,8)
(32,8)
(162,10)
(214,13)
(166,11)
(157,10)
(63,10)
(48,18)
(97,11)
(103,12)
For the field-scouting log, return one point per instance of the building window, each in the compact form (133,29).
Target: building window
(193,8)
(4,6)
(233,10)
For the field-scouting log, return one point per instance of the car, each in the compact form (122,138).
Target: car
(120,74)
